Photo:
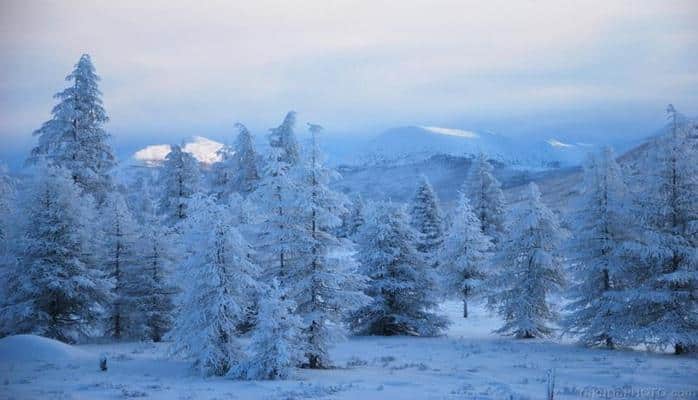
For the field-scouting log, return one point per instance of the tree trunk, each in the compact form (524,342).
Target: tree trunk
(465,308)
(679,348)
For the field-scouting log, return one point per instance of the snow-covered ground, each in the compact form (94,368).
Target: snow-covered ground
(468,363)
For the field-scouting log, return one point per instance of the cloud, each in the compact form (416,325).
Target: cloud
(186,67)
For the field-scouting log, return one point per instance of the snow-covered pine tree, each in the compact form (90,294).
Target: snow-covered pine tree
(487,198)
(664,300)
(275,347)
(401,284)
(179,181)
(531,270)
(74,138)
(57,290)
(238,170)
(283,239)
(326,285)
(245,155)
(427,221)
(353,218)
(606,246)
(157,293)
(220,278)
(464,254)
(122,266)
(284,137)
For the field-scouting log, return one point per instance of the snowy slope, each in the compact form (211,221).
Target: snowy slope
(468,363)
(416,143)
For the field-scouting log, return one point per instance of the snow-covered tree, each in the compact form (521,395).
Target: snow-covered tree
(57,290)
(402,286)
(426,219)
(157,292)
(220,279)
(122,265)
(283,239)
(325,285)
(464,254)
(284,137)
(665,297)
(486,197)
(275,347)
(74,138)
(353,218)
(531,269)
(238,169)
(179,181)
(606,246)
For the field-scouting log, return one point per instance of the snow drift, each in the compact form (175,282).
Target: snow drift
(25,348)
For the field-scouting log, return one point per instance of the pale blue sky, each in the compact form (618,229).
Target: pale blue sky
(172,69)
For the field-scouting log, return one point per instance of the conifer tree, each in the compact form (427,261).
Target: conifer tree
(74,138)
(179,181)
(487,198)
(57,289)
(157,302)
(122,265)
(402,286)
(275,347)
(664,300)
(531,270)
(426,219)
(238,169)
(220,278)
(464,254)
(325,285)
(606,246)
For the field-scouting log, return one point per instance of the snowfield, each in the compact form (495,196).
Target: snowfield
(468,363)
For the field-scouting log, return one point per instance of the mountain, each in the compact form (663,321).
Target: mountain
(417,143)
(203,149)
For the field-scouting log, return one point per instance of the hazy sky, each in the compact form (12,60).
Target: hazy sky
(172,69)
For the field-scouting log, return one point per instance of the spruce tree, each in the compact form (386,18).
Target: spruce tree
(664,300)
(179,181)
(487,198)
(464,254)
(220,279)
(606,246)
(238,169)
(74,138)
(531,270)
(402,285)
(325,285)
(275,347)
(122,265)
(57,289)
(426,219)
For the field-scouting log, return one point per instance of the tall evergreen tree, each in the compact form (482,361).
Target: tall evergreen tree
(282,240)
(122,265)
(57,290)
(531,271)
(326,285)
(74,138)
(665,296)
(402,285)
(275,348)
(464,254)
(606,246)
(213,303)
(157,301)
(487,198)
(284,137)
(179,181)
(238,170)
(426,219)
(353,218)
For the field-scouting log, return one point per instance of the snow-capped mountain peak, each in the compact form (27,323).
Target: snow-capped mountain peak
(556,143)
(203,149)
(451,132)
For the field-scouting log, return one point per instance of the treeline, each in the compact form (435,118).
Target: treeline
(261,245)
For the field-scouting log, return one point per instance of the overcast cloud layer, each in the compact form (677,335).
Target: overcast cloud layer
(173,69)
